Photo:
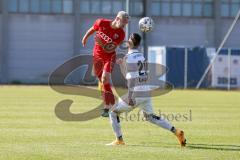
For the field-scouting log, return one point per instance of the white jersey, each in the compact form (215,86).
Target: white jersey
(134,64)
(136,70)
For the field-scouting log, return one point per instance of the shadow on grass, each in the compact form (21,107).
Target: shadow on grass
(221,147)
(153,144)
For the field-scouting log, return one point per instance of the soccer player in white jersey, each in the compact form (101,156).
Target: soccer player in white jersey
(133,64)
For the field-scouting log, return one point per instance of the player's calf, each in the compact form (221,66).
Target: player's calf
(161,122)
(107,94)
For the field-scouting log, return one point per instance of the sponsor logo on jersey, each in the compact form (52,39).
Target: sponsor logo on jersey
(104,37)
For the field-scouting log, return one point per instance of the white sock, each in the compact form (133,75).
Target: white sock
(115,124)
(159,122)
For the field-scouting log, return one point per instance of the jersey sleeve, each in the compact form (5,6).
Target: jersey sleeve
(96,24)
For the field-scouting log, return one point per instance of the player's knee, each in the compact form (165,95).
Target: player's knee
(114,115)
(147,116)
(114,111)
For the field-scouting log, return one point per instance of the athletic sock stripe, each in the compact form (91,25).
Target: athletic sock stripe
(118,119)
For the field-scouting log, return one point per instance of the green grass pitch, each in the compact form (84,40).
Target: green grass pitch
(30,130)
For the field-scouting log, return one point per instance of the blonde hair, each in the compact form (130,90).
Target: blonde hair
(123,15)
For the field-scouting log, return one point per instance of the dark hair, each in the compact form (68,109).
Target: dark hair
(136,39)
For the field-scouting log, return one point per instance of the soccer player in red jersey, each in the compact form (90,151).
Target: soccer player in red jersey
(109,35)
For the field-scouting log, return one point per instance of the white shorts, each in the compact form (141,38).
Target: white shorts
(145,104)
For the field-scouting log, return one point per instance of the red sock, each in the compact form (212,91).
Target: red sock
(108,95)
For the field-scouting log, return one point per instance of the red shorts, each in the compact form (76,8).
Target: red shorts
(100,65)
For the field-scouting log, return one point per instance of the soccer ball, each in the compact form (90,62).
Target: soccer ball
(146,24)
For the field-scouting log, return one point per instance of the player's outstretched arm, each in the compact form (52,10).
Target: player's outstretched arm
(122,65)
(131,84)
(88,33)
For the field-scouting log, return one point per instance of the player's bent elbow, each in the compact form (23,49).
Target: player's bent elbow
(92,30)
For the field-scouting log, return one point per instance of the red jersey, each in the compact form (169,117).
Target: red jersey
(106,39)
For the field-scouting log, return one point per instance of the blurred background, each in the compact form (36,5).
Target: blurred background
(36,36)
